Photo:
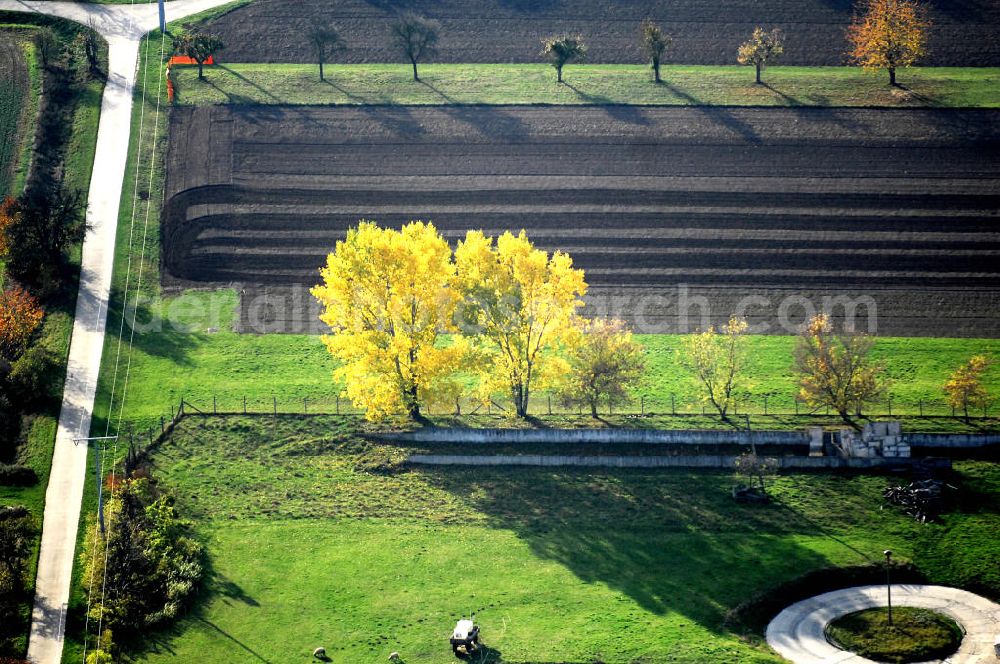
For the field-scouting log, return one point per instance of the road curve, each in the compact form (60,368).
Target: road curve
(123,27)
(797,633)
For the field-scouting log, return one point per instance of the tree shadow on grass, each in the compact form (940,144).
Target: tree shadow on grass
(153,334)
(674,542)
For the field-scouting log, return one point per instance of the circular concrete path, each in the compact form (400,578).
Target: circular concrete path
(797,633)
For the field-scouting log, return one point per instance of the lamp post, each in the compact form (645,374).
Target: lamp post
(888,582)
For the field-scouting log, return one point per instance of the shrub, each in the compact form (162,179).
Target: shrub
(20,316)
(30,377)
(12,475)
(153,567)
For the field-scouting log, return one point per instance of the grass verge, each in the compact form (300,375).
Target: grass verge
(39,429)
(915,635)
(558,565)
(508,84)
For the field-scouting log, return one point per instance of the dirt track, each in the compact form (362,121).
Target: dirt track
(966,32)
(898,206)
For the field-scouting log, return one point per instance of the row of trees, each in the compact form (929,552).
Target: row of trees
(884,34)
(511,311)
(415,324)
(834,369)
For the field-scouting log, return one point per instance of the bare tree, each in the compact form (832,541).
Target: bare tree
(655,43)
(416,36)
(325,41)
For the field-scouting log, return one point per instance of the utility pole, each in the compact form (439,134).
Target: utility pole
(98,441)
(888,581)
(163,19)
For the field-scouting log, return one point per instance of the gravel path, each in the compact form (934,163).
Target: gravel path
(797,633)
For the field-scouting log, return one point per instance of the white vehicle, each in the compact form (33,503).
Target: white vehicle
(465,638)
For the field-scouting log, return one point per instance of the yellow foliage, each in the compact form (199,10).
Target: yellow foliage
(835,370)
(718,361)
(519,308)
(889,34)
(965,386)
(387,296)
(606,364)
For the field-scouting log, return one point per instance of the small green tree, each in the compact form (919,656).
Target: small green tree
(762,47)
(325,41)
(718,360)
(199,46)
(654,43)
(605,366)
(415,36)
(563,49)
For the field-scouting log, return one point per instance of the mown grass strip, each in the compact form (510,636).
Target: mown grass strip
(509,84)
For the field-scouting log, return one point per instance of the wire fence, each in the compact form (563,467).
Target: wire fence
(547,404)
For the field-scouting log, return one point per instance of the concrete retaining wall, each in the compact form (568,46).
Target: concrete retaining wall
(691,461)
(589,436)
(952,440)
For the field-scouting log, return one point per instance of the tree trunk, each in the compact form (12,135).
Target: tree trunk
(892,76)
(758,73)
(559,74)
(593,409)
(412,403)
(321,71)
(656,70)
(200,66)
(415,77)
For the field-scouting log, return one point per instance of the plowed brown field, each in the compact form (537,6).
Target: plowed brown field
(966,32)
(661,206)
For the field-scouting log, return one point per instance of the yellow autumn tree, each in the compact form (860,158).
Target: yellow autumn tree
(836,370)
(888,34)
(519,308)
(965,388)
(387,296)
(717,359)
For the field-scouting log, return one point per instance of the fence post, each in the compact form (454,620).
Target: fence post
(244,404)
(171,411)
(642,405)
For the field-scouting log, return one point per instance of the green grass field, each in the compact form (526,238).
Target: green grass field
(20,96)
(507,84)
(558,565)
(168,361)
